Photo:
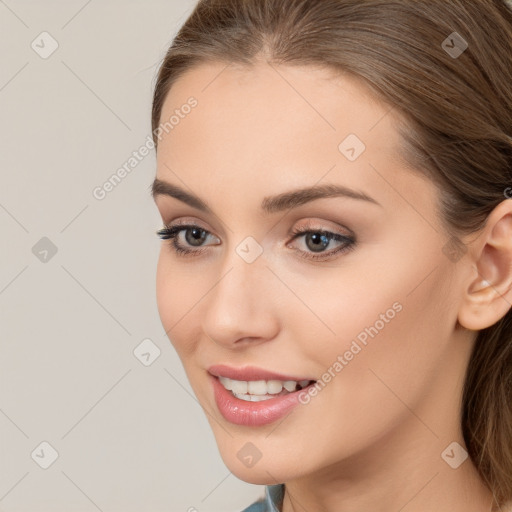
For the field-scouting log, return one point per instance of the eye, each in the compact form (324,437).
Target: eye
(315,240)
(194,235)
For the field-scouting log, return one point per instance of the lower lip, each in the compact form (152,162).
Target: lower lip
(253,414)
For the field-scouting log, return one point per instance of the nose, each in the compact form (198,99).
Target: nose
(241,306)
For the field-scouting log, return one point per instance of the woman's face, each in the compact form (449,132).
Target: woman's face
(370,316)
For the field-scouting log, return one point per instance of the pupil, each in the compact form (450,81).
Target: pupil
(320,241)
(197,235)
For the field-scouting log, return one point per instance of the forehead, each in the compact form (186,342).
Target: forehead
(273,125)
(327,101)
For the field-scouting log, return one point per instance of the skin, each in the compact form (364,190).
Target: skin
(372,438)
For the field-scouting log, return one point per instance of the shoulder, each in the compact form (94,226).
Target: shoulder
(258,506)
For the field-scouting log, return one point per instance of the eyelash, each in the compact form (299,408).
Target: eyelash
(171,233)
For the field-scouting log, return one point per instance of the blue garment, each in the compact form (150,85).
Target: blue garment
(272,502)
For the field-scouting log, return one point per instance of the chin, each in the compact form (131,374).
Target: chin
(260,473)
(276,468)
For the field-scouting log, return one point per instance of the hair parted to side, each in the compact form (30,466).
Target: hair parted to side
(457,129)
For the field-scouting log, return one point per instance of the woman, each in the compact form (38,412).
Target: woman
(335,182)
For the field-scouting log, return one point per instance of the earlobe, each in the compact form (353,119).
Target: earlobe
(488,296)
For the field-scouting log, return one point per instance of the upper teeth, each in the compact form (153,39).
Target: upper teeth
(261,387)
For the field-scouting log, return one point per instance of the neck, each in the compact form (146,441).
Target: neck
(404,469)
(409,477)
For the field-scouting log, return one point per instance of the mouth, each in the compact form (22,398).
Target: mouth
(254,384)
(255,397)
(259,390)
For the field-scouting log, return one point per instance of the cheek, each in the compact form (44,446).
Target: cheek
(164,296)
(392,327)
(393,300)
(175,301)
(396,343)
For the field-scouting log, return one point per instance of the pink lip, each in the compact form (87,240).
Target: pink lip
(248,373)
(253,414)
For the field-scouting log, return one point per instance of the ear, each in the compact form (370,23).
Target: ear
(488,293)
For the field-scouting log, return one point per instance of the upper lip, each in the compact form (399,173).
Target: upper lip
(250,373)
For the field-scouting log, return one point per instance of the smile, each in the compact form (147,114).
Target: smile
(259,390)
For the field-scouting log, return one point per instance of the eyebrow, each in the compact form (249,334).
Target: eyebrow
(270,204)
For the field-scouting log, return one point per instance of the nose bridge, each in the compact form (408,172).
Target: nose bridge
(242,276)
(238,305)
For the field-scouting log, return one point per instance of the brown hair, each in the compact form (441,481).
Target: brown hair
(457,109)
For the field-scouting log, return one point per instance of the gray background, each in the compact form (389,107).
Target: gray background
(129,437)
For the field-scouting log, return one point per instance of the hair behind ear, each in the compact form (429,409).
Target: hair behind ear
(487,406)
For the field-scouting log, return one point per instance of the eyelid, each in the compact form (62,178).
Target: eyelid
(178,227)
(185,222)
(348,242)
(216,223)
(309,224)
(320,225)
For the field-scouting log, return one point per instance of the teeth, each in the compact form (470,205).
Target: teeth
(289,385)
(252,398)
(257,387)
(258,390)
(239,386)
(274,387)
